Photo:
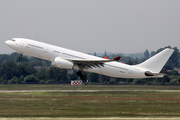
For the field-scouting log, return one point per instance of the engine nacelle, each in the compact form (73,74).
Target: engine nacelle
(62,63)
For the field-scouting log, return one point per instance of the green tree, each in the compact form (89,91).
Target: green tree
(138,81)
(161,49)
(34,58)
(8,70)
(31,79)
(57,74)
(165,79)
(105,78)
(72,76)
(175,81)
(50,73)
(4,57)
(46,63)
(14,80)
(173,60)
(93,77)
(14,55)
(41,73)
(22,78)
(118,80)
(25,69)
(174,57)
(158,81)
(36,63)
(63,75)
(1,80)
(174,72)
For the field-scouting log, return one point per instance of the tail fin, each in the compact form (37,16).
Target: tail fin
(156,63)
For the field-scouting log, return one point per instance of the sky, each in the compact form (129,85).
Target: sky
(124,26)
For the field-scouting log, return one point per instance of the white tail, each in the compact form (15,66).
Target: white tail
(156,63)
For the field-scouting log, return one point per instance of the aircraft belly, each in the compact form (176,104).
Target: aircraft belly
(95,70)
(114,72)
(125,72)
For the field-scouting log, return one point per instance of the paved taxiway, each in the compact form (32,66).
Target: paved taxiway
(89,90)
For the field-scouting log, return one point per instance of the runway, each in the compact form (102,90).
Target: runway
(89,90)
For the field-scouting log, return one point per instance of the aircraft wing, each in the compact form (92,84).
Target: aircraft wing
(92,63)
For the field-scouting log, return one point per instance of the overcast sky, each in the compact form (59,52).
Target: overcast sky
(89,26)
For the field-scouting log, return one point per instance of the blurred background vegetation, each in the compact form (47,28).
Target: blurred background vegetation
(31,70)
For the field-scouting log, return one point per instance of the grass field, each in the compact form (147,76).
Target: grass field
(86,87)
(102,104)
(104,118)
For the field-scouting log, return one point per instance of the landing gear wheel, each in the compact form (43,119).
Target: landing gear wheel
(79,73)
(20,58)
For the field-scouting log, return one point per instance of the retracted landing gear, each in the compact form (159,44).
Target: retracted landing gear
(79,73)
(20,57)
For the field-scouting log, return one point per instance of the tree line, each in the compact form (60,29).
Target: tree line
(15,71)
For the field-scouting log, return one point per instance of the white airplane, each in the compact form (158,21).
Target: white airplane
(69,59)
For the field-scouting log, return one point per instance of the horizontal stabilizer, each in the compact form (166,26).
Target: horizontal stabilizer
(150,74)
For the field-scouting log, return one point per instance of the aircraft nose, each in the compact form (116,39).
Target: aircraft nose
(7,42)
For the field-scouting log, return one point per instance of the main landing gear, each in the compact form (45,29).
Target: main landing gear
(20,57)
(80,74)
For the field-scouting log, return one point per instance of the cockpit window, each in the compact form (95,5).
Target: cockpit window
(14,40)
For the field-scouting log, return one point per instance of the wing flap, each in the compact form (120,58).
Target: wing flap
(92,63)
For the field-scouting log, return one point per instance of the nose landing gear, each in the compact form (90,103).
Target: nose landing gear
(20,57)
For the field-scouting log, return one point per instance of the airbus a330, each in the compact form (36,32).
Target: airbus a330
(70,59)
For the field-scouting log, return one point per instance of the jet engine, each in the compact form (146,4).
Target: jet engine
(62,63)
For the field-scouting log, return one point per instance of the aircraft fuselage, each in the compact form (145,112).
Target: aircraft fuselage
(51,52)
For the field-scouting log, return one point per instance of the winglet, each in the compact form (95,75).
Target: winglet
(117,58)
(106,57)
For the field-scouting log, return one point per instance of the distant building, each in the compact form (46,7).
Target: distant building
(178,69)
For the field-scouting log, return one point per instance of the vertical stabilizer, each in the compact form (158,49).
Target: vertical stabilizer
(156,63)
